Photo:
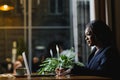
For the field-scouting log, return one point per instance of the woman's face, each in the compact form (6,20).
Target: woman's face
(89,37)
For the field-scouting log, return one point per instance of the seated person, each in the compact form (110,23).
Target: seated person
(8,65)
(104,58)
(35,64)
(18,63)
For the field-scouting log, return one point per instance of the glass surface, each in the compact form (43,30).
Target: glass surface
(9,19)
(42,38)
(7,37)
(13,17)
(51,13)
(51,21)
(83,17)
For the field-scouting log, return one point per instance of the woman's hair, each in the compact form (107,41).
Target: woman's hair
(101,31)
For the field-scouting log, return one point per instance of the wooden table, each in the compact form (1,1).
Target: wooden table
(67,77)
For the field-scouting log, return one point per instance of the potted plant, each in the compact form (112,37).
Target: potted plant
(65,61)
(50,64)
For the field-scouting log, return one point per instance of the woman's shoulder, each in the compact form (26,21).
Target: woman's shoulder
(112,52)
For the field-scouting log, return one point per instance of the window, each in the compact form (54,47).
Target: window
(83,17)
(56,7)
(48,21)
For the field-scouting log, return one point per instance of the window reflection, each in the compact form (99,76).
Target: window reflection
(51,13)
(56,7)
(51,21)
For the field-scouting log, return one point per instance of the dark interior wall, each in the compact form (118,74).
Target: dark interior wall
(116,21)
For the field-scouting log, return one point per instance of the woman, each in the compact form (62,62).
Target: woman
(103,60)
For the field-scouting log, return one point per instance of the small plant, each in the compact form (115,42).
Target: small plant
(50,64)
(64,60)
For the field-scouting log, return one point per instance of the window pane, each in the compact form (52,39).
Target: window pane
(83,18)
(51,22)
(13,17)
(60,6)
(52,6)
(7,37)
(43,37)
(9,19)
(46,14)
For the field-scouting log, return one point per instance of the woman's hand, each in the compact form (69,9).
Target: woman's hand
(62,71)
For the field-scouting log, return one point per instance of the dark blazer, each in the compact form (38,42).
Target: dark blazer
(105,63)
